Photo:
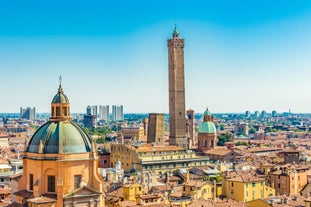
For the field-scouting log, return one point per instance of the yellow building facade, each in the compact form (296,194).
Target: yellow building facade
(245,186)
(159,159)
(60,163)
(199,189)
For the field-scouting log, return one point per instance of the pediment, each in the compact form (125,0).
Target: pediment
(83,191)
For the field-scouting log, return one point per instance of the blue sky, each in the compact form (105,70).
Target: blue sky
(239,54)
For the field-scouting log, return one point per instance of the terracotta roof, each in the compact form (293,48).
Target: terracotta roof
(41,200)
(286,201)
(177,192)
(14,204)
(161,188)
(117,193)
(218,151)
(50,195)
(149,148)
(227,203)
(243,176)
(149,196)
(127,203)
(196,183)
(24,193)
(5,191)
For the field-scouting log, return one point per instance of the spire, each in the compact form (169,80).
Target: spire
(60,89)
(60,80)
(176,32)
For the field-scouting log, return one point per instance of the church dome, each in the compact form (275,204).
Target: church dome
(60,97)
(207,125)
(59,134)
(59,137)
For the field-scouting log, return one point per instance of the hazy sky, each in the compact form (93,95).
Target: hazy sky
(239,54)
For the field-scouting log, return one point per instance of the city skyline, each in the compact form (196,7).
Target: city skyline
(238,55)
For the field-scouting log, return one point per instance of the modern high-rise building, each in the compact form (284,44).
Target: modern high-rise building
(92,110)
(178,134)
(88,110)
(103,112)
(156,129)
(274,113)
(28,113)
(256,114)
(247,114)
(117,113)
(263,114)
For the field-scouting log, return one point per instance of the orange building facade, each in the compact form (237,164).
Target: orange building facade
(60,164)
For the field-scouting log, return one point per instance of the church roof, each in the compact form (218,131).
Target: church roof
(60,97)
(60,134)
(207,127)
(59,137)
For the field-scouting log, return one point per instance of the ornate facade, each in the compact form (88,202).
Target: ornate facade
(60,163)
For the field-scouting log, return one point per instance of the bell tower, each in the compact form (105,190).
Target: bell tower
(178,127)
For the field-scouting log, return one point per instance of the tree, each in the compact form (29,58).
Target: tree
(100,140)
(221,127)
(252,130)
(225,137)
(241,143)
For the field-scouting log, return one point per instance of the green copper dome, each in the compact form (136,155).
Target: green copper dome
(60,97)
(207,127)
(207,113)
(59,137)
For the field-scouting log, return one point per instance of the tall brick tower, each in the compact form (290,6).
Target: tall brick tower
(192,141)
(177,91)
(156,128)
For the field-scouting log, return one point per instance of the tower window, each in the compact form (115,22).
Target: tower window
(30,181)
(65,111)
(77,181)
(51,183)
(57,111)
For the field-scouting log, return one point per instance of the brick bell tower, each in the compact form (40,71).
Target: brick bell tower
(178,133)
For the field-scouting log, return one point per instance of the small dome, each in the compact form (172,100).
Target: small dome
(175,32)
(207,127)
(59,137)
(207,113)
(60,97)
